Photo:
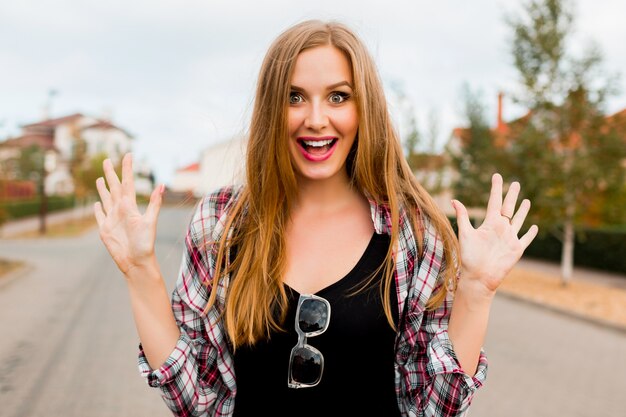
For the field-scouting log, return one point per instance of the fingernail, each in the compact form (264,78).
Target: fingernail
(162,190)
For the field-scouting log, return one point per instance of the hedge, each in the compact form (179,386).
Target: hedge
(24,208)
(603,248)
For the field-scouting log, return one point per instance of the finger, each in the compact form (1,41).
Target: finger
(520,216)
(112,179)
(105,196)
(462,218)
(529,236)
(154,206)
(100,216)
(494,206)
(508,206)
(128,182)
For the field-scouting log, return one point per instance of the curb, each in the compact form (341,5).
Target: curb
(591,320)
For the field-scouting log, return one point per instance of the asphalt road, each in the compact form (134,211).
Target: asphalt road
(67,337)
(69,344)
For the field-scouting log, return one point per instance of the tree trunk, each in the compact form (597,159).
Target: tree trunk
(43,203)
(567,254)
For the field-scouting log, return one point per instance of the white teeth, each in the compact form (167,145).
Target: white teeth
(317,143)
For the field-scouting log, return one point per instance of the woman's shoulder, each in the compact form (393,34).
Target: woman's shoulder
(218,200)
(212,207)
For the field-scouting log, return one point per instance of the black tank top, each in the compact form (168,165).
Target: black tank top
(358,349)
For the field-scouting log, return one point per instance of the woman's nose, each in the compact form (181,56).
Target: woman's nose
(316,118)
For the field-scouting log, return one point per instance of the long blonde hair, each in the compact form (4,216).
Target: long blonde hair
(376,166)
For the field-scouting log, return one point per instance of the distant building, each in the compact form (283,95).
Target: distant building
(186,179)
(219,165)
(222,164)
(59,137)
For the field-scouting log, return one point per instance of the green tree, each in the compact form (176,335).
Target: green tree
(477,157)
(412,139)
(93,170)
(30,163)
(566,155)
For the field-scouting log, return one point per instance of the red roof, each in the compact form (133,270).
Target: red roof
(43,141)
(190,168)
(105,125)
(55,122)
(48,126)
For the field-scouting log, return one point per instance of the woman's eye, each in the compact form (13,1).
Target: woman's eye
(339,97)
(295,98)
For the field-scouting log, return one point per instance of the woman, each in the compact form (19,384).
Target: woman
(329,282)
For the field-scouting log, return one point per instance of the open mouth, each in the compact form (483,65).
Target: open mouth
(317,147)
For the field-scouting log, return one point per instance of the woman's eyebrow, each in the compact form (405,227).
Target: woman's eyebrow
(330,87)
(339,84)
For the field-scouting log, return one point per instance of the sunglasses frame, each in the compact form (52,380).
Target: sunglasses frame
(302,341)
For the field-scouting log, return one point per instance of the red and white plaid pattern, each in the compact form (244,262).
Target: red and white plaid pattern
(198,378)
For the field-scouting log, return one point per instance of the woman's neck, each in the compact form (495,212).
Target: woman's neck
(326,196)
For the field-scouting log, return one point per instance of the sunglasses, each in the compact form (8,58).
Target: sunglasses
(306,363)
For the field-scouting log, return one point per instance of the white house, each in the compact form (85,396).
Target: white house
(186,179)
(58,137)
(101,136)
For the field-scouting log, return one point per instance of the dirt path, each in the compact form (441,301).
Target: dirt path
(582,297)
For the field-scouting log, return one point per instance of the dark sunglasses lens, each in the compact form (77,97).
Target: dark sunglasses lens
(313,315)
(306,366)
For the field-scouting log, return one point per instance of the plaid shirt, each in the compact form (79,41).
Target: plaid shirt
(199,379)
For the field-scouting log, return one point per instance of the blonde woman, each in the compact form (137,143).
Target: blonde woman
(329,282)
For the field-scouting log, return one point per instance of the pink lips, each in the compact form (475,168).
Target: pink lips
(316,157)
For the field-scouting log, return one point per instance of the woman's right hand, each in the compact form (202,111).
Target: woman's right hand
(128,235)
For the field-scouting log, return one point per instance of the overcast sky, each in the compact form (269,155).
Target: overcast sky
(180,74)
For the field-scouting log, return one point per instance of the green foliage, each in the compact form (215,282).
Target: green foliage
(540,33)
(412,139)
(25,208)
(479,158)
(566,155)
(599,248)
(4,215)
(594,248)
(30,163)
(88,171)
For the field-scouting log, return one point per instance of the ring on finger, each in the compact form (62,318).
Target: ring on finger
(508,217)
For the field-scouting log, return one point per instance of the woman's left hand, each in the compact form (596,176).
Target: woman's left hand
(489,252)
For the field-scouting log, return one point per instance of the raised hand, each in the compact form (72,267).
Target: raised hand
(489,252)
(128,235)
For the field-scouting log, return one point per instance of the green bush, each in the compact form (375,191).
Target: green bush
(25,208)
(602,248)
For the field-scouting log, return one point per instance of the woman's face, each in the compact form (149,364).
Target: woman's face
(323,119)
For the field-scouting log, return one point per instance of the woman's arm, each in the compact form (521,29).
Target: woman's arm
(129,236)
(487,255)
(154,319)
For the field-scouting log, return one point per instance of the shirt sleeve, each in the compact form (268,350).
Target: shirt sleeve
(193,379)
(436,384)
(447,390)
